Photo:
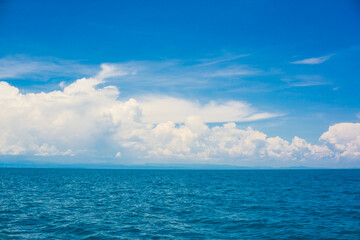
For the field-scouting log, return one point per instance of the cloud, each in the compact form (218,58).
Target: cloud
(21,66)
(236,70)
(83,113)
(153,76)
(344,140)
(157,109)
(213,61)
(195,141)
(175,73)
(87,118)
(313,60)
(305,80)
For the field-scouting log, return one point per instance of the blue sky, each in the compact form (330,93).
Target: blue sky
(294,62)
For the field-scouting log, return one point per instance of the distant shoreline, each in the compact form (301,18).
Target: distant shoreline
(154,167)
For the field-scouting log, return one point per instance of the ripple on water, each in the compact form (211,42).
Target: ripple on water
(159,204)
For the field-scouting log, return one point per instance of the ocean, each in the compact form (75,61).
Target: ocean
(179,204)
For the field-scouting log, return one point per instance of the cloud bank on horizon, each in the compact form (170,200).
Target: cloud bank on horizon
(86,117)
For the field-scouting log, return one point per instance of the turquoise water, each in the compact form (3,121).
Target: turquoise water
(179,204)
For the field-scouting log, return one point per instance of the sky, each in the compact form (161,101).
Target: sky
(242,83)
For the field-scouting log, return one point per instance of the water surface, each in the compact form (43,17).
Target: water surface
(179,204)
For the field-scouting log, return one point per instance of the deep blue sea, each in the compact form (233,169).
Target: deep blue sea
(179,204)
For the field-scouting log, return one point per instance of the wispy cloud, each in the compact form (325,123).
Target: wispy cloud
(213,61)
(153,73)
(223,74)
(22,66)
(305,80)
(235,70)
(313,61)
(164,75)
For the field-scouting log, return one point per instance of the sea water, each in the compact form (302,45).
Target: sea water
(179,204)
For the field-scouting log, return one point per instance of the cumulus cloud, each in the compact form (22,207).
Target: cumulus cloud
(42,123)
(86,117)
(195,140)
(312,61)
(344,140)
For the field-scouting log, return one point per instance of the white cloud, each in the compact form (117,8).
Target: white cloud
(86,117)
(153,76)
(20,66)
(312,61)
(157,109)
(42,123)
(305,80)
(344,139)
(114,70)
(195,141)
(235,70)
(213,61)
